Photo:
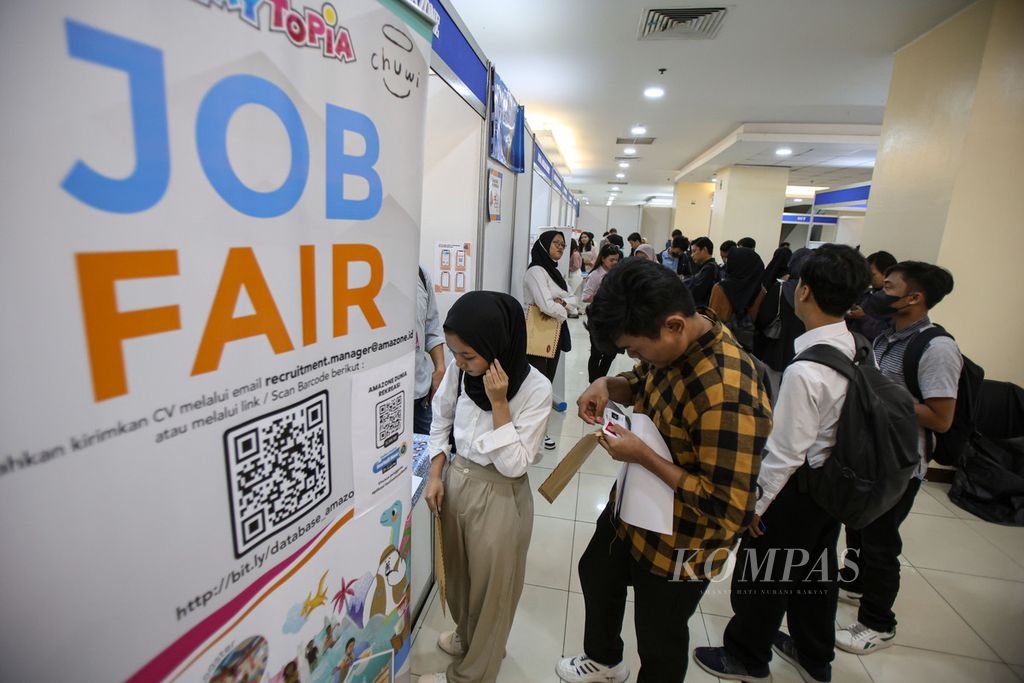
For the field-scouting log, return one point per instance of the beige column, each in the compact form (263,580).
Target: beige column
(749,201)
(693,208)
(947,180)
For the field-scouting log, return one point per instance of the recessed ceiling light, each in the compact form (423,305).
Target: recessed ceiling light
(623,164)
(616,188)
(629,150)
(783,152)
(654,92)
(638,130)
(620,175)
(798,201)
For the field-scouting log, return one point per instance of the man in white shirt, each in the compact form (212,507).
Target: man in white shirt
(787,564)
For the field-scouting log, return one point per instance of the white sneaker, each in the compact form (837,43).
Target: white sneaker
(850,597)
(450,642)
(583,669)
(433,678)
(549,443)
(861,640)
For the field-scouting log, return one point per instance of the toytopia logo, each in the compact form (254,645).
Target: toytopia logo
(305,28)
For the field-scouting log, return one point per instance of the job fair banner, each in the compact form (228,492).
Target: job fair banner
(207,274)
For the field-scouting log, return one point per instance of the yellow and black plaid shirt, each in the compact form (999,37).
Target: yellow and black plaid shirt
(715,417)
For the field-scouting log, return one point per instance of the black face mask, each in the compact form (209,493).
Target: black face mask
(880,304)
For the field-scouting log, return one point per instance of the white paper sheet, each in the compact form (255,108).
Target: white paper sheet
(644,500)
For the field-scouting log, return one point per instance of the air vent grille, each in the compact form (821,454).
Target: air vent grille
(673,23)
(628,158)
(634,141)
(618,182)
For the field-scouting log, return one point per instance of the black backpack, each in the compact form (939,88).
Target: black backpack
(950,446)
(875,453)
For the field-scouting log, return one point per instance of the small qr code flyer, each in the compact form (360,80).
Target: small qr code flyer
(279,469)
(381,428)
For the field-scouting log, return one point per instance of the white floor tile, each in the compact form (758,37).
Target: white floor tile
(716,600)
(425,656)
(846,668)
(601,463)
(535,644)
(951,545)
(925,620)
(581,539)
(574,638)
(593,496)
(940,492)
(550,555)
(993,608)
(1010,539)
(926,504)
(564,506)
(900,664)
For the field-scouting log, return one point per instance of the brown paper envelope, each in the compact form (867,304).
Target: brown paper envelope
(439,578)
(568,467)
(542,333)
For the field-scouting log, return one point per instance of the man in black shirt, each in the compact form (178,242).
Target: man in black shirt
(705,270)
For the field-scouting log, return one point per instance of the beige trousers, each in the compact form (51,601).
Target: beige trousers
(486,524)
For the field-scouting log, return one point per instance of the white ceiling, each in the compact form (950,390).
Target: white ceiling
(577,64)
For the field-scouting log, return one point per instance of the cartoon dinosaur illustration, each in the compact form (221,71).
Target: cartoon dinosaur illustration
(392,518)
(314,601)
(341,597)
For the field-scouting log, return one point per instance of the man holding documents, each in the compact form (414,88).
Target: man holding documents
(699,391)
(802,581)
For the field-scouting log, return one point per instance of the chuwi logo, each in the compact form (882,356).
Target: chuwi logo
(305,28)
(399,79)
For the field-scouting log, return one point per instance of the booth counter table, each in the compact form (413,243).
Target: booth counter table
(421,560)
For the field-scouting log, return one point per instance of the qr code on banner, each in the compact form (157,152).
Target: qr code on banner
(390,418)
(278,470)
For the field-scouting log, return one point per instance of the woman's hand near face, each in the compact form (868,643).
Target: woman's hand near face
(496,383)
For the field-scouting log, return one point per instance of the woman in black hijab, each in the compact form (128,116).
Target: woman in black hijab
(545,288)
(776,322)
(741,279)
(734,299)
(496,406)
(777,267)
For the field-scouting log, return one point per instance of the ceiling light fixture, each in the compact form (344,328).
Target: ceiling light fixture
(620,176)
(783,152)
(615,188)
(654,92)
(623,164)
(629,150)
(638,130)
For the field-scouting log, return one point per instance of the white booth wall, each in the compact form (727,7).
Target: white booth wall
(520,256)
(625,219)
(496,261)
(451,180)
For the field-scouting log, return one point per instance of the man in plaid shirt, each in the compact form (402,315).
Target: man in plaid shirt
(702,393)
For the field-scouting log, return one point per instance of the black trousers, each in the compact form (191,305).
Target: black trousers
(662,608)
(872,564)
(546,366)
(599,364)
(791,570)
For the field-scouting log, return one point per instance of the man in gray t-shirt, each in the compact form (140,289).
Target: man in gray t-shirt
(429,352)
(871,578)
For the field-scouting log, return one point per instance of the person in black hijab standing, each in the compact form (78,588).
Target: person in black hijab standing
(545,287)
(736,298)
(497,406)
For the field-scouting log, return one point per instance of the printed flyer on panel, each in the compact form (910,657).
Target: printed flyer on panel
(210,217)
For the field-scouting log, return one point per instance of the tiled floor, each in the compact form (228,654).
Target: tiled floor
(961,605)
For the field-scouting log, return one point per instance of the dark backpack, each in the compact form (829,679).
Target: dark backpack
(875,453)
(950,446)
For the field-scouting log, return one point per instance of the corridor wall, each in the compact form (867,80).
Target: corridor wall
(521,232)
(451,182)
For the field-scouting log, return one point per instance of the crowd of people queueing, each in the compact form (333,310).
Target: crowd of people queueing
(724,370)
